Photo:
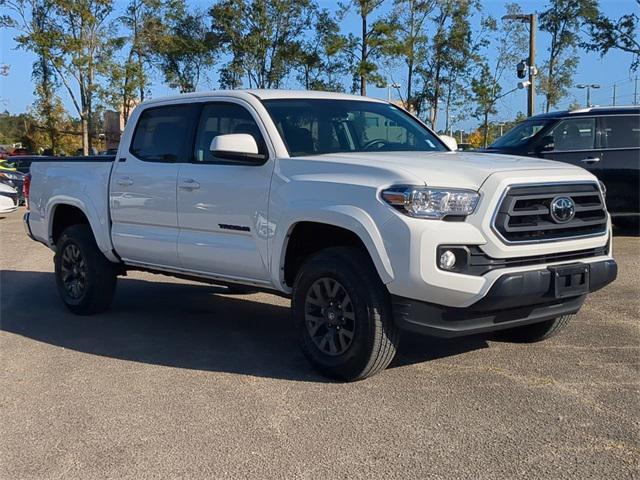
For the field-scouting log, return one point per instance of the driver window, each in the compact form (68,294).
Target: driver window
(575,134)
(222,119)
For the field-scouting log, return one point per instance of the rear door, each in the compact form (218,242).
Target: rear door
(575,141)
(142,192)
(222,205)
(620,162)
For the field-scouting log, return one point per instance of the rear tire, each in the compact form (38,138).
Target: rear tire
(86,280)
(535,332)
(343,316)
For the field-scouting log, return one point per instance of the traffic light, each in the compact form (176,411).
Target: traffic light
(521,69)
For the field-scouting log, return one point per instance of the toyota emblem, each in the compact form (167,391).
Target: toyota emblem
(563,209)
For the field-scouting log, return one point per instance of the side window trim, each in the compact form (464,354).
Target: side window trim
(254,116)
(602,124)
(192,111)
(568,119)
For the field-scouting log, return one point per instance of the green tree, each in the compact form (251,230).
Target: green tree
(321,59)
(80,51)
(129,79)
(622,34)
(410,45)
(459,68)
(184,48)
(366,49)
(507,44)
(31,18)
(450,55)
(562,21)
(263,37)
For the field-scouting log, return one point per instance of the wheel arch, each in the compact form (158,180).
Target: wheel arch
(351,226)
(64,212)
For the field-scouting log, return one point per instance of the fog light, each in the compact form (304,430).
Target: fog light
(447,260)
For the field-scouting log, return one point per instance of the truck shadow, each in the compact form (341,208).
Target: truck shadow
(183,326)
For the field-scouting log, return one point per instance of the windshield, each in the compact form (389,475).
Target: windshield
(317,126)
(520,134)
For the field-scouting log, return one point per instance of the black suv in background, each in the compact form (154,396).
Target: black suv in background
(603,140)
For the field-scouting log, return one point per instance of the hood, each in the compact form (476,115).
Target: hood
(447,169)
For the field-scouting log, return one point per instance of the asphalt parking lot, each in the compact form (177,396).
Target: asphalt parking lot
(180,381)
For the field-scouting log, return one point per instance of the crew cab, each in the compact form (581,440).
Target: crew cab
(348,205)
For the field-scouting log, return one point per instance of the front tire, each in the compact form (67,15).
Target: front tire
(535,332)
(342,313)
(85,278)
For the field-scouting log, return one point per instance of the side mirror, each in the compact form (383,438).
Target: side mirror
(546,144)
(238,147)
(449,142)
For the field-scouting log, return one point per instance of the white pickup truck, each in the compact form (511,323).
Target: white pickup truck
(349,205)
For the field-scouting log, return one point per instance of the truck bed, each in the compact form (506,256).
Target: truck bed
(82,182)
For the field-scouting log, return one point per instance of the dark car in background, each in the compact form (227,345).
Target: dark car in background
(603,140)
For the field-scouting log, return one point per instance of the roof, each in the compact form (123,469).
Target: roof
(305,94)
(267,95)
(609,110)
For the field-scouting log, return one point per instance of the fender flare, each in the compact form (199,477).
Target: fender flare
(98,224)
(350,218)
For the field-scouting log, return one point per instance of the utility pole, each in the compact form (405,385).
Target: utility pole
(531,99)
(532,19)
(635,92)
(614,94)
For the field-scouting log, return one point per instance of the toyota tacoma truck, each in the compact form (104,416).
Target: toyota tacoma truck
(350,206)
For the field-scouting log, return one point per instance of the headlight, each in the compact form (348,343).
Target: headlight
(424,202)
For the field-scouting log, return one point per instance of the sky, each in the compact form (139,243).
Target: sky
(16,89)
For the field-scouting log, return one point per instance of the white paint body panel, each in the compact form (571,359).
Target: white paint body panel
(157,223)
(228,196)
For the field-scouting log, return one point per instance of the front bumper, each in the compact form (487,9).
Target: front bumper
(514,299)
(412,246)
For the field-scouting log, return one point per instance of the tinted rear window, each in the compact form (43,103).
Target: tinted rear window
(621,131)
(162,133)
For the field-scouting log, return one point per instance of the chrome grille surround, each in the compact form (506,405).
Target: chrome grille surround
(523,213)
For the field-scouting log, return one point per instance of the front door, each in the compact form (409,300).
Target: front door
(222,205)
(574,141)
(142,192)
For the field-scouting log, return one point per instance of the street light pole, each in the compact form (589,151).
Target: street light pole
(389,87)
(589,87)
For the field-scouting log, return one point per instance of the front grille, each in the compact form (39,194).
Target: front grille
(524,214)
